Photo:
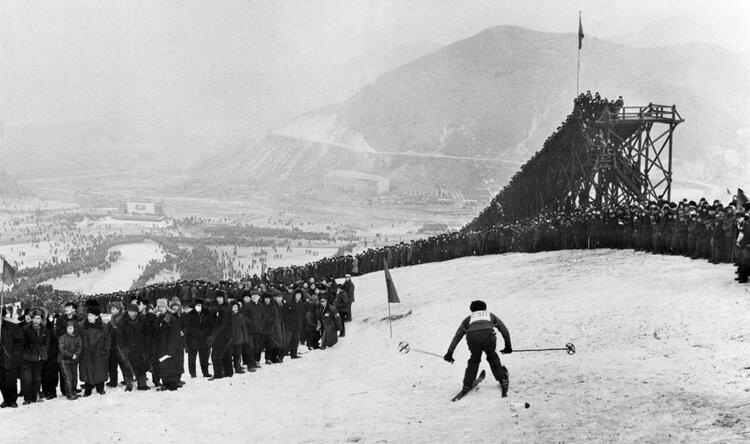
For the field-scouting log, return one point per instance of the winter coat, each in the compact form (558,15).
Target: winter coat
(11,345)
(273,325)
(348,287)
(168,341)
(70,346)
(341,301)
(312,318)
(239,329)
(221,338)
(330,322)
(294,315)
(254,313)
(131,342)
(95,355)
(35,343)
(198,327)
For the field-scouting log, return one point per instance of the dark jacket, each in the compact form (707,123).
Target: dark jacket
(168,341)
(35,343)
(11,345)
(70,346)
(198,327)
(254,313)
(330,322)
(273,324)
(294,315)
(131,342)
(95,355)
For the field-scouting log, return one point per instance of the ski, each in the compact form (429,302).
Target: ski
(463,393)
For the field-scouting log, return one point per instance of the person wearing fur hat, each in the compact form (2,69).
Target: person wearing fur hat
(479,329)
(168,345)
(131,342)
(198,327)
(95,353)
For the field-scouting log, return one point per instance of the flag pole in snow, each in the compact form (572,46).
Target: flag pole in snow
(392,294)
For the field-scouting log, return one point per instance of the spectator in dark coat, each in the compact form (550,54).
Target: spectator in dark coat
(115,360)
(273,328)
(70,347)
(330,322)
(294,316)
(198,327)
(221,338)
(131,341)
(341,303)
(11,358)
(239,336)
(348,287)
(255,312)
(95,356)
(35,346)
(168,345)
(312,323)
(51,366)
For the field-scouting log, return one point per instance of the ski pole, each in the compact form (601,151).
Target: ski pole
(404,347)
(569,347)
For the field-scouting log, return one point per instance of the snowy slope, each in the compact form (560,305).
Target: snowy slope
(662,342)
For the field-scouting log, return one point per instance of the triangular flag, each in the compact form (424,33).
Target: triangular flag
(741,198)
(9,274)
(580,32)
(392,294)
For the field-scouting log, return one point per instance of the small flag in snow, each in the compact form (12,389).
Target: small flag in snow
(392,294)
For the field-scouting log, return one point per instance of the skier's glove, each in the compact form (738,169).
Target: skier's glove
(449,357)
(507,350)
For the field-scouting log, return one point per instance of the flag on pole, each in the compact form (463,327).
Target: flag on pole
(741,198)
(580,31)
(9,274)
(392,294)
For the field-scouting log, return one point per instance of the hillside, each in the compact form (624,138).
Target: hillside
(9,187)
(495,97)
(661,358)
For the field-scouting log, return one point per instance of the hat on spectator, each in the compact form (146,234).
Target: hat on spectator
(161,303)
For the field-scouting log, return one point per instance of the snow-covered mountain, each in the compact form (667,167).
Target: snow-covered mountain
(495,97)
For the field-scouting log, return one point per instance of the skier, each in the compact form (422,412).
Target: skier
(479,328)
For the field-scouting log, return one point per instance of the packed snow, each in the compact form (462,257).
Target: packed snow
(661,356)
(119,277)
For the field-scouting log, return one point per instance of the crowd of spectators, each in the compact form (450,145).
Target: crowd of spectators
(236,325)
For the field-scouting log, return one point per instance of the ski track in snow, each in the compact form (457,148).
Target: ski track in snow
(661,345)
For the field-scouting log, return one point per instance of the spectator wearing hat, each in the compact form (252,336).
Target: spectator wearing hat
(348,287)
(70,348)
(132,333)
(221,338)
(96,341)
(294,314)
(330,323)
(198,327)
(743,245)
(168,346)
(115,360)
(35,346)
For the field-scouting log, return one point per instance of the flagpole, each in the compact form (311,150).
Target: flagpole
(390,320)
(578,71)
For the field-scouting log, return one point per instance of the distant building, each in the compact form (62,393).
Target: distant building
(141,208)
(356,182)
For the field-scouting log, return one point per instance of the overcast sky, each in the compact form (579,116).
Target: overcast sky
(112,60)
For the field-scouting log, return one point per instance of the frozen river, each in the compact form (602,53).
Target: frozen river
(120,276)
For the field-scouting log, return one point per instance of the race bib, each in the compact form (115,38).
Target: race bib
(482,315)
